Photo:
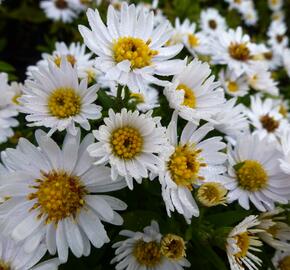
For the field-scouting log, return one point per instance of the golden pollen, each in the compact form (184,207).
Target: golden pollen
(233,86)
(184,165)
(212,24)
(59,195)
(189,96)
(251,175)
(239,51)
(193,41)
(61,4)
(269,123)
(4,266)
(126,142)
(70,58)
(212,194)
(147,253)
(64,102)
(173,247)
(243,242)
(135,50)
(284,264)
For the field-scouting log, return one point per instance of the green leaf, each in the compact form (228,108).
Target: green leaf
(5,67)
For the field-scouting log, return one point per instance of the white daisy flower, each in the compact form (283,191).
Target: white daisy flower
(188,162)
(54,98)
(149,250)
(130,142)
(260,79)
(13,257)
(235,49)
(58,10)
(8,110)
(278,15)
(129,49)
(277,34)
(275,5)
(273,59)
(232,120)
(281,260)
(75,53)
(53,196)
(255,174)
(241,243)
(285,147)
(232,84)
(265,117)
(194,93)
(286,61)
(249,13)
(276,231)
(211,22)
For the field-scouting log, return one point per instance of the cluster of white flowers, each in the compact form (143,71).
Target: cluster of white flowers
(215,150)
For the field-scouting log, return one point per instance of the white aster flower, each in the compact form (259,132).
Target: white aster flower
(129,49)
(275,5)
(188,162)
(53,196)
(232,84)
(58,10)
(281,260)
(255,174)
(194,93)
(149,250)
(130,142)
(273,59)
(235,49)
(211,22)
(8,110)
(54,98)
(266,119)
(75,54)
(286,61)
(260,79)
(276,231)
(241,243)
(278,15)
(277,34)
(249,13)
(232,120)
(14,257)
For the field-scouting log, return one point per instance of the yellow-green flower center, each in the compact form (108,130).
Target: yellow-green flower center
(233,86)
(70,58)
(239,51)
(126,142)
(211,194)
(193,40)
(189,96)
(173,247)
(147,253)
(243,242)
(184,165)
(135,50)
(64,102)
(251,175)
(284,264)
(58,195)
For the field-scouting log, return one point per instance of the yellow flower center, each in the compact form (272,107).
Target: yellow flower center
(135,50)
(233,86)
(239,51)
(189,96)
(212,194)
(283,110)
(212,24)
(193,40)
(269,123)
(59,195)
(126,142)
(64,102)
(138,97)
(70,58)
(61,4)
(251,175)
(284,264)
(147,253)
(184,165)
(279,38)
(4,265)
(173,247)
(15,99)
(268,55)
(273,230)
(274,2)
(243,242)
